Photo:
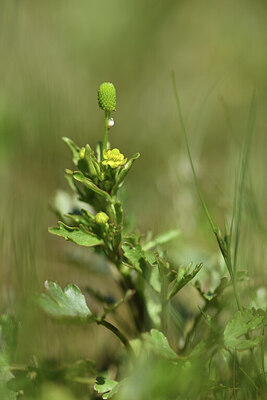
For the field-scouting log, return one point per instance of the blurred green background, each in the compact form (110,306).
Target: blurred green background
(53,56)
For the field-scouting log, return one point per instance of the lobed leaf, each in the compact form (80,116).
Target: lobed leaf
(74,149)
(78,235)
(162,239)
(240,325)
(68,304)
(124,171)
(180,283)
(133,254)
(156,342)
(78,176)
(106,387)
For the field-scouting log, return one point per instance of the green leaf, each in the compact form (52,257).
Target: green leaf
(74,148)
(180,283)
(8,335)
(124,171)
(133,254)
(78,176)
(149,266)
(68,304)
(241,324)
(79,235)
(119,212)
(77,219)
(209,296)
(93,164)
(162,239)
(156,342)
(107,387)
(72,184)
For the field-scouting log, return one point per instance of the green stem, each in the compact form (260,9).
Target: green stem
(213,227)
(164,298)
(237,298)
(105,142)
(179,109)
(118,333)
(164,323)
(262,356)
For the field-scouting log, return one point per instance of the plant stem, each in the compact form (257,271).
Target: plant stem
(118,333)
(237,298)
(243,172)
(105,142)
(234,377)
(262,356)
(163,297)
(189,154)
(213,227)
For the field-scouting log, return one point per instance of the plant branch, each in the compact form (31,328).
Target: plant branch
(105,142)
(119,334)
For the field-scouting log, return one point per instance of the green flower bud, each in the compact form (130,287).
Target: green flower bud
(82,152)
(107,96)
(101,218)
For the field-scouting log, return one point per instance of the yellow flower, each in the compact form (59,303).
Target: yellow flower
(114,158)
(82,152)
(101,218)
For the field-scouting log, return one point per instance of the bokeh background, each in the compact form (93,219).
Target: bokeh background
(53,56)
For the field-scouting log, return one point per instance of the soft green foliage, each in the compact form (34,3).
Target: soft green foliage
(173,353)
(157,343)
(107,387)
(65,304)
(148,279)
(242,323)
(78,235)
(183,277)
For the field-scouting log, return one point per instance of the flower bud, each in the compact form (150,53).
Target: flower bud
(107,96)
(82,152)
(101,218)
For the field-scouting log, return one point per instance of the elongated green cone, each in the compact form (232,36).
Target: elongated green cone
(107,96)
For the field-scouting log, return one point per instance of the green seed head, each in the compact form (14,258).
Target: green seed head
(107,96)
(101,218)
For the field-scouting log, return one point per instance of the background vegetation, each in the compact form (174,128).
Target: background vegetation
(54,55)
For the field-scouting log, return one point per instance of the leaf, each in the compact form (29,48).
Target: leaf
(162,239)
(74,148)
(119,212)
(68,304)
(78,176)
(106,387)
(93,164)
(72,184)
(209,296)
(134,254)
(156,342)
(124,171)
(8,335)
(77,219)
(149,266)
(79,235)
(241,324)
(180,283)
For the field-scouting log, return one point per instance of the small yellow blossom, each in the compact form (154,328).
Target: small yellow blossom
(82,152)
(101,218)
(114,158)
